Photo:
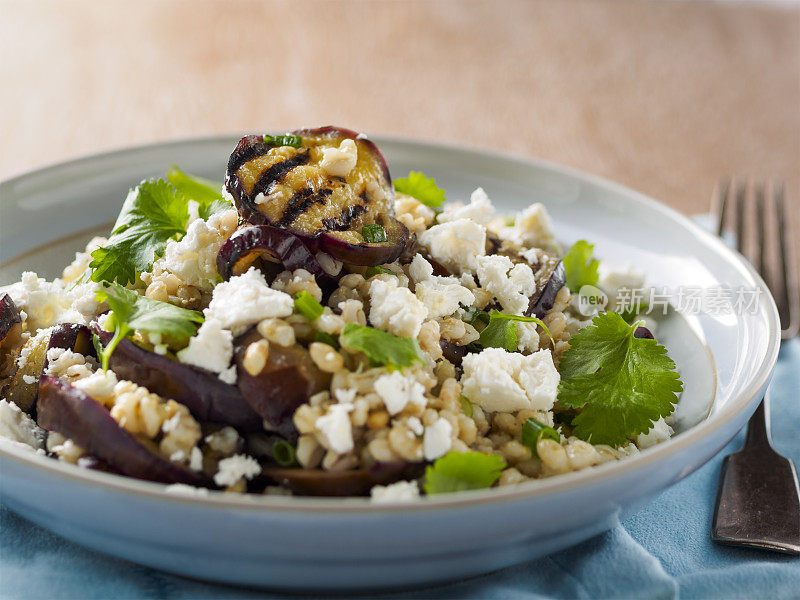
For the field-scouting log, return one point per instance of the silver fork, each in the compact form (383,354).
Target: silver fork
(758,504)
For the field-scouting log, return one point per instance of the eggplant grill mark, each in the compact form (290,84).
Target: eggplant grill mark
(278,170)
(299,203)
(249,148)
(342,222)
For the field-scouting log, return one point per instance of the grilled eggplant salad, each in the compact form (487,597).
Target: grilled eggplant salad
(310,327)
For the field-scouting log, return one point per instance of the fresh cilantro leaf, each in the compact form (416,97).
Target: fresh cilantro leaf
(501,332)
(306,305)
(383,349)
(534,430)
(473,315)
(457,471)
(421,187)
(131,312)
(153,213)
(620,383)
(630,313)
(372,271)
(203,191)
(580,266)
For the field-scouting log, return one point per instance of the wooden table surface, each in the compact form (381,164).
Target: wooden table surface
(662,96)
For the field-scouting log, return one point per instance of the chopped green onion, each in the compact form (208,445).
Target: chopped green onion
(98,348)
(326,338)
(373,234)
(306,305)
(533,431)
(372,271)
(284,454)
(466,406)
(295,141)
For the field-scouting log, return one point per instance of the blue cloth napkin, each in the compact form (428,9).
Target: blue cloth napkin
(663,551)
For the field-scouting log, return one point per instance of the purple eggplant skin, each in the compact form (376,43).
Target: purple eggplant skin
(455,354)
(289,378)
(77,416)
(544,297)
(203,393)
(316,482)
(368,254)
(643,333)
(9,318)
(248,244)
(71,336)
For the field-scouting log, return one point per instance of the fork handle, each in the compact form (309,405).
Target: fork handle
(758,427)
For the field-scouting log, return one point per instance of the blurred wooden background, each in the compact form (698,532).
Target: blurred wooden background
(663,96)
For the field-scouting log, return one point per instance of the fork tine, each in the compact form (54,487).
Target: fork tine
(721,203)
(785,290)
(761,231)
(738,214)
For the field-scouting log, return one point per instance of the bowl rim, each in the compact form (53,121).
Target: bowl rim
(553,485)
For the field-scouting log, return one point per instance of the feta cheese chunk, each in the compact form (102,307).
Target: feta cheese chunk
(437,441)
(440,295)
(340,161)
(532,228)
(398,390)
(500,381)
(511,284)
(247,299)
(211,349)
(456,244)
(336,429)
(400,491)
(230,470)
(18,427)
(395,309)
(659,432)
(480,209)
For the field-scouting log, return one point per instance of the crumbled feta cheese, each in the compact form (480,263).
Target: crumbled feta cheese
(18,427)
(511,284)
(99,385)
(395,309)
(415,425)
(66,363)
(480,209)
(340,161)
(500,381)
(527,337)
(211,349)
(659,432)
(196,459)
(336,429)
(29,379)
(532,228)
(400,491)
(182,489)
(456,244)
(345,396)
(228,375)
(440,295)
(398,390)
(230,470)
(194,257)
(247,299)
(437,441)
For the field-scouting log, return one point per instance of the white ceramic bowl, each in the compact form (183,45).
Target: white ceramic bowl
(347,544)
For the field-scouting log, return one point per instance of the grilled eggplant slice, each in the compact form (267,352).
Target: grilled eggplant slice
(251,244)
(550,278)
(325,191)
(10,341)
(286,381)
(206,397)
(316,482)
(79,417)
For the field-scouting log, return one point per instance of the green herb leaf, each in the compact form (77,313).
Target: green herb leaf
(502,333)
(581,268)
(306,305)
(383,349)
(475,315)
(295,141)
(457,471)
(284,454)
(466,406)
(421,187)
(372,271)
(373,234)
(131,312)
(534,430)
(326,338)
(630,313)
(203,191)
(153,213)
(620,383)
